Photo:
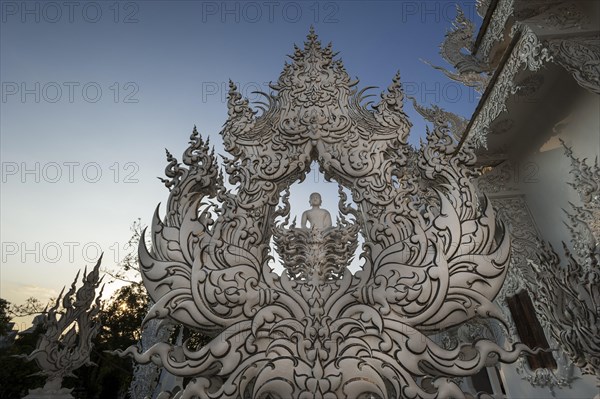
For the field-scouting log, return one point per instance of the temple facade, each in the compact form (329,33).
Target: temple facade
(537,133)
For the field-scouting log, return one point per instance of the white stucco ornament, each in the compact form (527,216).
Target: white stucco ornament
(568,290)
(434,253)
(66,344)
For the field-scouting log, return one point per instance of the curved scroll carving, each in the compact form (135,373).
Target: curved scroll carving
(568,298)
(495,31)
(581,57)
(434,254)
(145,376)
(528,54)
(455,124)
(573,311)
(470,70)
(525,242)
(67,342)
(584,220)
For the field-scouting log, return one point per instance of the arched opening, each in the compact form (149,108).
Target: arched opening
(299,195)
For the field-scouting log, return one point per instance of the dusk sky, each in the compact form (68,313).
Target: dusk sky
(93,92)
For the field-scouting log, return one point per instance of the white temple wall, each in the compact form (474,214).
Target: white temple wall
(544,179)
(546,187)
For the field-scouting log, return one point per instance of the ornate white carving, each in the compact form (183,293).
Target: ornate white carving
(431,261)
(67,342)
(528,54)
(502,184)
(471,71)
(581,57)
(500,179)
(145,376)
(525,245)
(482,7)
(455,124)
(556,16)
(568,297)
(525,241)
(321,253)
(569,301)
(584,220)
(494,32)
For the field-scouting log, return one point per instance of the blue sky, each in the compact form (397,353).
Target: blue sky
(92,93)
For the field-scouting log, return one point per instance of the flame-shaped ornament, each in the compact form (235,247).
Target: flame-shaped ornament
(434,254)
(66,343)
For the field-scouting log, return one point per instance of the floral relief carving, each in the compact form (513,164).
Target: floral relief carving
(584,220)
(528,54)
(581,57)
(495,31)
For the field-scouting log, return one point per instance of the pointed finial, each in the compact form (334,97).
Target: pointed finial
(233,97)
(232,87)
(169,155)
(312,38)
(396,83)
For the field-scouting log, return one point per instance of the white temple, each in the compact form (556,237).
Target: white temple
(537,65)
(459,283)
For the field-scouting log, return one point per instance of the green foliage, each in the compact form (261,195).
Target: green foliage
(121,321)
(122,317)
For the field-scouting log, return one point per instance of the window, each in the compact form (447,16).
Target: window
(530,331)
